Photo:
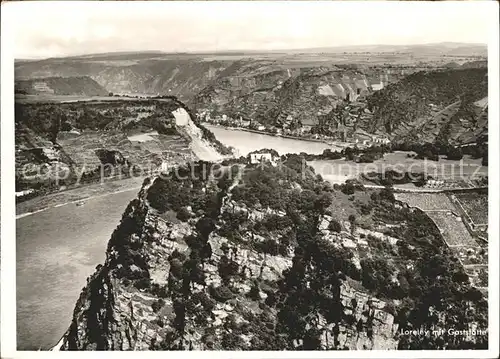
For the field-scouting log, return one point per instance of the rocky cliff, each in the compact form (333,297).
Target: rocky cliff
(261,257)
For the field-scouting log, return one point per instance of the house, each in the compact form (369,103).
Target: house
(381,140)
(25,192)
(261,128)
(245,123)
(435,183)
(306,128)
(261,157)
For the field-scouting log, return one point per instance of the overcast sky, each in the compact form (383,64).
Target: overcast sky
(60,29)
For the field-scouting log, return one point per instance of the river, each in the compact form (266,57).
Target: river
(246,142)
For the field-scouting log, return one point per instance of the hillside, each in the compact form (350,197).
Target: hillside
(426,106)
(84,86)
(62,144)
(180,76)
(276,96)
(264,258)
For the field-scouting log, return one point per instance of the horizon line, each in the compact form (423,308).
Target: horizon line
(254,51)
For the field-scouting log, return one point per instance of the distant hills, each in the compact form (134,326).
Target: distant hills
(443,48)
(276,86)
(186,74)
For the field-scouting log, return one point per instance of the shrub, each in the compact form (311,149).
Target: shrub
(207,302)
(227,268)
(254,292)
(221,293)
(159,322)
(347,188)
(157,305)
(335,226)
(142,283)
(159,290)
(268,246)
(183,214)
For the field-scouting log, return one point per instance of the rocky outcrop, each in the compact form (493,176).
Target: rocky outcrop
(129,74)
(184,284)
(247,257)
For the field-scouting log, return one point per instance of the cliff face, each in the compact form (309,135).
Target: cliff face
(201,282)
(277,89)
(268,88)
(151,74)
(263,258)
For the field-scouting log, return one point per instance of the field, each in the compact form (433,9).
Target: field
(453,229)
(472,256)
(66,98)
(81,148)
(337,171)
(476,206)
(426,201)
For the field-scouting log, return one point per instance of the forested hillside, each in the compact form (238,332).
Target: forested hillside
(84,86)
(430,102)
